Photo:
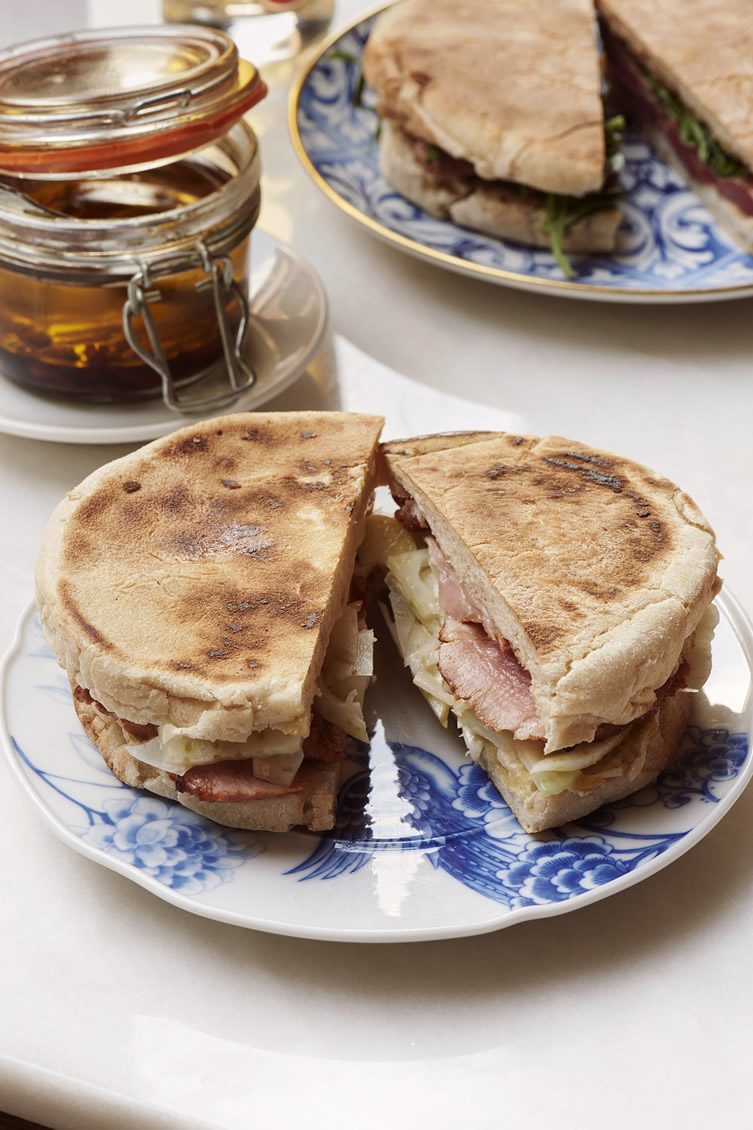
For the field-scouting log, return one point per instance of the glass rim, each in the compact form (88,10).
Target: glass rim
(78,103)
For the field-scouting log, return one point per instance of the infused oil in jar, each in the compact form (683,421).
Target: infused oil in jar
(130,280)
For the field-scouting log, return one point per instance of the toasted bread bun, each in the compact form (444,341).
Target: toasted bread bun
(649,748)
(498,83)
(420,445)
(703,51)
(490,207)
(595,569)
(197,580)
(313,807)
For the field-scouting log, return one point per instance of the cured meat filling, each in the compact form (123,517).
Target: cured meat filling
(481,668)
(489,678)
(477,663)
(644,105)
(225,782)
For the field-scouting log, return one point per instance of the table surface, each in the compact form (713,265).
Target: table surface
(637,1008)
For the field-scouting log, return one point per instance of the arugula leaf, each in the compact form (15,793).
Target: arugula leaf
(563,212)
(613,136)
(695,135)
(555,226)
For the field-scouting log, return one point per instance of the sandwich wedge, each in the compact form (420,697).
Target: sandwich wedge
(557,600)
(493,118)
(683,71)
(198,593)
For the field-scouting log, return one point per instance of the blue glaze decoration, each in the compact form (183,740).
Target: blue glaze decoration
(459,821)
(668,241)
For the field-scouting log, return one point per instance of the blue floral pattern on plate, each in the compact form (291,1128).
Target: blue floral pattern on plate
(459,818)
(404,806)
(669,248)
(166,842)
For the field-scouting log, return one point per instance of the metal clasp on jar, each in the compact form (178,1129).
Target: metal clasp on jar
(142,292)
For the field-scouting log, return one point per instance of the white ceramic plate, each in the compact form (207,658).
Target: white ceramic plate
(669,250)
(288,320)
(424,847)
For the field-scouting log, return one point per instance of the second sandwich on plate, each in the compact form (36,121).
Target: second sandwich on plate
(557,600)
(493,118)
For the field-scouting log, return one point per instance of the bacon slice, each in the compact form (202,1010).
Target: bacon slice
(326,742)
(228,781)
(489,678)
(136,729)
(407,514)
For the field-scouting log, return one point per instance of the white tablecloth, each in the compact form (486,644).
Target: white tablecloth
(117,1010)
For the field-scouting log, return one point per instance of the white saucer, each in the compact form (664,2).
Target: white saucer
(289,317)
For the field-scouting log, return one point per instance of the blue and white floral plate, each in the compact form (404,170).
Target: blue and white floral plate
(670,249)
(424,847)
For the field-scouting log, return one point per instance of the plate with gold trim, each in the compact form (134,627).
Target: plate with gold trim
(669,247)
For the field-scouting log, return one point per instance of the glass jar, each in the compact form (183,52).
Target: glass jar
(272,30)
(126,207)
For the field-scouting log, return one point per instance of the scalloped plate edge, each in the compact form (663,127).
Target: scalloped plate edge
(743,631)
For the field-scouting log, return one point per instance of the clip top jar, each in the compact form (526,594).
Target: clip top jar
(129,186)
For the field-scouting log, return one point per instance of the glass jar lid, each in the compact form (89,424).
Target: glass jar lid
(119,98)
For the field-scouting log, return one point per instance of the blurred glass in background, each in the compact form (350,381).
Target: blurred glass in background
(265,31)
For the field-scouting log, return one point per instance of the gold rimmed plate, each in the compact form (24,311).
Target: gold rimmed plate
(669,247)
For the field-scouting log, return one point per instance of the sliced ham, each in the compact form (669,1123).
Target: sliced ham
(452,599)
(489,678)
(227,781)
(479,666)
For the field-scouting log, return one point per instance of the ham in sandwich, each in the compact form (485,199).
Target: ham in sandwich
(556,600)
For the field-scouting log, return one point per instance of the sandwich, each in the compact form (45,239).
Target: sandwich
(683,71)
(556,600)
(199,594)
(493,118)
